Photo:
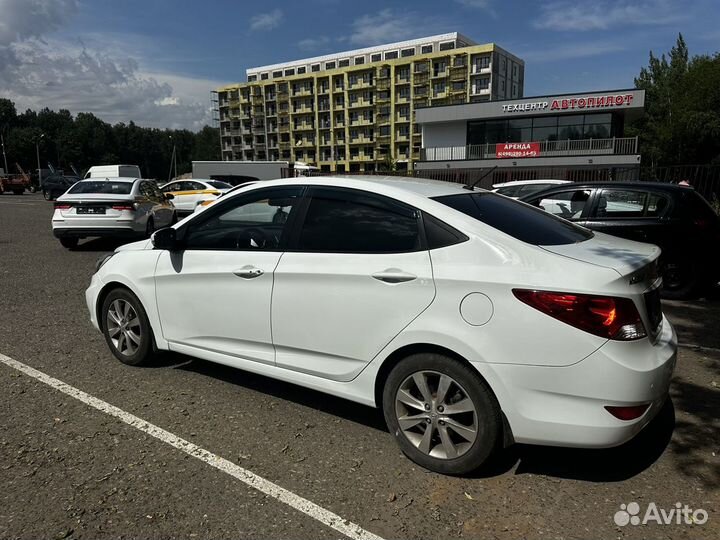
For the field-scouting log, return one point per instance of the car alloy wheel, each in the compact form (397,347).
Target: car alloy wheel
(123,327)
(436,414)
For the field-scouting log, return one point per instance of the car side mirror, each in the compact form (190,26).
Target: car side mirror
(165,239)
(169,196)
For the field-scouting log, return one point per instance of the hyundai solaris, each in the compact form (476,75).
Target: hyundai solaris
(471,319)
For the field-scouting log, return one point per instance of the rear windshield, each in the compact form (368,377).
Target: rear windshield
(219,185)
(519,220)
(104,186)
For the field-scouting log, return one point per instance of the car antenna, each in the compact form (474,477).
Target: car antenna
(472,186)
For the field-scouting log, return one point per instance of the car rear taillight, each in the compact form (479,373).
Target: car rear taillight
(63,206)
(123,207)
(605,316)
(627,413)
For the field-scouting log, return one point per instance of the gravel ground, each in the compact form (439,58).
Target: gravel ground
(69,471)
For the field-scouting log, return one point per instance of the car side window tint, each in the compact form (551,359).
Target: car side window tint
(195,186)
(509,191)
(657,205)
(146,190)
(349,221)
(256,221)
(565,204)
(621,203)
(439,234)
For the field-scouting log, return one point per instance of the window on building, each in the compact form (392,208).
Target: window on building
(252,78)
(407,52)
(289,72)
(391,55)
(502,86)
(315,67)
(359,60)
(264,76)
(439,87)
(448,45)
(301,70)
(329,65)
(403,73)
(427,49)
(458,85)
(345,62)
(384,130)
(277,74)
(483,62)
(376,57)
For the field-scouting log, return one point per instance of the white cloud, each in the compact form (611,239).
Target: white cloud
(476,4)
(569,51)
(38,70)
(266,21)
(605,14)
(387,26)
(311,44)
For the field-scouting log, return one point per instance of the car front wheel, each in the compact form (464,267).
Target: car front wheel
(126,328)
(442,414)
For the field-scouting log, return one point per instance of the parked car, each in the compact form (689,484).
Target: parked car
(204,203)
(115,207)
(676,218)
(189,193)
(523,188)
(113,171)
(471,319)
(56,184)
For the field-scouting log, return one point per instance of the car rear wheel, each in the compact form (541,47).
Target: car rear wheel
(680,280)
(69,243)
(126,328)
(442,414)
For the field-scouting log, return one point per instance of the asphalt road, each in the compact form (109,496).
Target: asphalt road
(70,471)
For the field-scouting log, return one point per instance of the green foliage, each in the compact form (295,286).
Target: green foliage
(682,121)
(85,140)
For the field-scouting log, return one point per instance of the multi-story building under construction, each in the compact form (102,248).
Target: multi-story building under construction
(355,110)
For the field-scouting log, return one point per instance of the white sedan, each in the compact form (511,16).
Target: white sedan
(472,320)
(115,207)
(189,193)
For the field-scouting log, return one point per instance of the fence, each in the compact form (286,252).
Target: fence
(704,178)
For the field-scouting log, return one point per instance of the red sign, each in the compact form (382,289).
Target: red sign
(517,150)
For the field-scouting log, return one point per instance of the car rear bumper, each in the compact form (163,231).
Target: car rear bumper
(84,232)
(565,406)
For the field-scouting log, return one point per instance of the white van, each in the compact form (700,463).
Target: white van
(113,171)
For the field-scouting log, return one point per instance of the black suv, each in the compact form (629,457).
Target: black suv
(675,218)
(56,184)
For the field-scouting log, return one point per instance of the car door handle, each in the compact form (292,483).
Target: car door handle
(393,275)
(248,272)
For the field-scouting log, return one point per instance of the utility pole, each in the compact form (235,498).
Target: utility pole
(173,160)
(37,151)
(2,141)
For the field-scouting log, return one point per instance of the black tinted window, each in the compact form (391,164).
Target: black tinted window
(519,220)
(353,222)
(439,234)
(103,186)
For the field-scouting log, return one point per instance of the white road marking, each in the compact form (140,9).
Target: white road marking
(309,508)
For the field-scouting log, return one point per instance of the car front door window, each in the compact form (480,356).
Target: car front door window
(565,204)
(256,221)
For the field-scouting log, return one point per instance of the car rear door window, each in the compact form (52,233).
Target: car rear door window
(519,220)
(352,221)
(657,205)
(621,203)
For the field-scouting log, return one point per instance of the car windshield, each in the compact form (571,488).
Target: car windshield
(219,185)
(102,186)
(519,220)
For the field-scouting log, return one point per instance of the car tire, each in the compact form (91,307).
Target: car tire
(126,328)
(69,242)
(32,189)
(680,281)
(461,440)
(149,227)
(47,195)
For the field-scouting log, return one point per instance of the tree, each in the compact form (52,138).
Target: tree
(681,120)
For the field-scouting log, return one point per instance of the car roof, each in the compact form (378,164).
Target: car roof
(529,182)
(424,187)
(665,186)
(111,179)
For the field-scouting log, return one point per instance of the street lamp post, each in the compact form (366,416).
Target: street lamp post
(37,152)
(2,141)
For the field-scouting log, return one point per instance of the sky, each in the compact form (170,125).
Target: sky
(155,61)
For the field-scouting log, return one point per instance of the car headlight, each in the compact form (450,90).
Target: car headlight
(102,260)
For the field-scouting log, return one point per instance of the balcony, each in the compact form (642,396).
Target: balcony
(360,103)
(580,147)
(438,73)
(420,79)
